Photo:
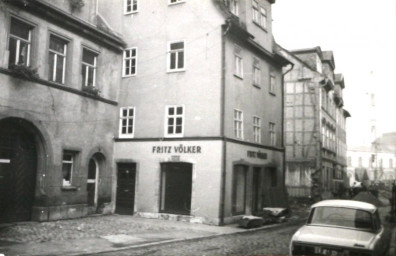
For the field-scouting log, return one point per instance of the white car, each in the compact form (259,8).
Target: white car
(341,227)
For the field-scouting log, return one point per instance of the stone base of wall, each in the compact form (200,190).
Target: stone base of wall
(59,212)
(177,217)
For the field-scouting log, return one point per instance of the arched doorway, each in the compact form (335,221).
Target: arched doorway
(18,168)
(95,164)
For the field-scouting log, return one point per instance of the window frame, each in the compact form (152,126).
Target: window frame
(130,3)
(255,12)
(128,118)
(256,129)
(263,17)
(174,125)
(256,76)
(72,162)
(169,53)
(238,68)
(272,133)
(56,54)
(272,83)
(124,59)
(19,39)
(234,7)
(238,129)
(87,65)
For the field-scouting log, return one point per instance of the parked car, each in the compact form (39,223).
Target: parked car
(341,227)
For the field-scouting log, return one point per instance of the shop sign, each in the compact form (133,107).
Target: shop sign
(176,149)
(254,154)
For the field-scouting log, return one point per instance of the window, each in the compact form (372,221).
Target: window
(238,66)
(238,124)
(272,83)
(174,121)
(130,6)
(88,71)
(19,43)
(256,14)
(57,59)
(257,129)
(130,58)
(176,56)
(272,134)
(127,122)
(390,163)
(256,76)
(68,164)
(234,7)
(239,189)
(263,17)
(175,1)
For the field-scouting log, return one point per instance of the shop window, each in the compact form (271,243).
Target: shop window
(68,165)
(238,124)
(19,43)
(129,62)
(57,59)
(127,122)
(176,56)
(130,6)
(239,189)
(257,129)
(174,121)
(88,71)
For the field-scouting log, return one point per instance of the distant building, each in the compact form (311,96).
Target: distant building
(315,137)
(374,163)
(200,115)
(59,75)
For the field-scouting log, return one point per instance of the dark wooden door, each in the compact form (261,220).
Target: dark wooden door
(125,201)
(18,164)
(176,188)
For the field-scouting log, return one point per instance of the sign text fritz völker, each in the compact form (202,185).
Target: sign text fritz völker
(176,149)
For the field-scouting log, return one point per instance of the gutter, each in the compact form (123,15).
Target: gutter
(224,31)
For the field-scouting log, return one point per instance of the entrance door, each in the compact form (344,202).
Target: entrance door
(176,185)
(256,193)
(18,164)
(92,184)
(126,180)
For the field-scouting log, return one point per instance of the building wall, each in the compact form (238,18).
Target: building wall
(62,116)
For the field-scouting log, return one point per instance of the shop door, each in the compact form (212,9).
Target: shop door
(256,193)
(125,201)
(176,185)
(18,164)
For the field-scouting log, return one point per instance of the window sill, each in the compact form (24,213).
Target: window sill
(175,70)
(176,3)
(69,188)
(238,76)
(272,93)
(257,86)
(124,136)
(128,76)
(173,136)
(129,13)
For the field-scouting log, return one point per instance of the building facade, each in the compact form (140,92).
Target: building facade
(315,137)
(60,70)
(200,115)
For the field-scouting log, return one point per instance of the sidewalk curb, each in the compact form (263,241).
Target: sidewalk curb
(194,239)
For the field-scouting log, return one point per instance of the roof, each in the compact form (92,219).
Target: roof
(346,204)
(329,57)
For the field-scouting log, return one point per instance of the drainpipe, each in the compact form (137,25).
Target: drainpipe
(224,31)
(282,123)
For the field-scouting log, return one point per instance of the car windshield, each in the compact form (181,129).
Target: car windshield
(341,217)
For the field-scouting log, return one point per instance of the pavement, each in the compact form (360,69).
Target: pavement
(108,233)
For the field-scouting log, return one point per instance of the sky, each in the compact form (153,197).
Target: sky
(362,36)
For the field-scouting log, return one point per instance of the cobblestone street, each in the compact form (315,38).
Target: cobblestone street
(260,242)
